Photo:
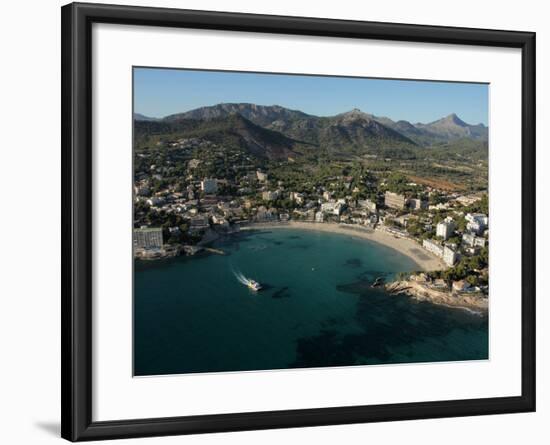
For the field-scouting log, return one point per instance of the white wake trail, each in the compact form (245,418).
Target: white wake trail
(240,277)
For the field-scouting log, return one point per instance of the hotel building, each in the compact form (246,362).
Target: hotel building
(395,200)
(148,238)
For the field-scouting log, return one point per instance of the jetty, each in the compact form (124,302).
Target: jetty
(213,250)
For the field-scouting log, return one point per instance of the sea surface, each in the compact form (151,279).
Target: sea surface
(317,309)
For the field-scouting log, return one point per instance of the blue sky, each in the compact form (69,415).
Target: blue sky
(160,92)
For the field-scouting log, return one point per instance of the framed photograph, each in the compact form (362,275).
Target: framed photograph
(275,222)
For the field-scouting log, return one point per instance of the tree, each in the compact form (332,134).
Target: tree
(460,223)
(436,198)
(476,263)
(454,240)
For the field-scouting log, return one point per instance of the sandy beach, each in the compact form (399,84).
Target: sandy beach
(425,260)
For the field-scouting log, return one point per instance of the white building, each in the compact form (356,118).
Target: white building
(448,255)
(440,206)
(333,208)
(220,221)
(445,228)
(194,163)
(470,239)
(155,201)
(418,204)
(433,247)
(395,200)
(270,196)
(480,217)
(209,186)
(262,177)
(367,204)
(477,222)
(148,238)
(265,215)
(297,197)
(319,217)
(460,285)
(467,200)
(479,241)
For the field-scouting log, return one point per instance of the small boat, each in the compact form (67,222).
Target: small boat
(378,282)
(248,282)
(253,285)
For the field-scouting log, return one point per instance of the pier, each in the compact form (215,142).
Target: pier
(213,250)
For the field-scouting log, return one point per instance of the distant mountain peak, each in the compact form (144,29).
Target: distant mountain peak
(454,119)
(354,112)
(451,127)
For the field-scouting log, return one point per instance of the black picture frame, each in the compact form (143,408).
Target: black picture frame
(76,129)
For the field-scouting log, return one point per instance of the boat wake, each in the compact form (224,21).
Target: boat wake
(240,278)
(248,282)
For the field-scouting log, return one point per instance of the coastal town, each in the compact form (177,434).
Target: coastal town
(189,192)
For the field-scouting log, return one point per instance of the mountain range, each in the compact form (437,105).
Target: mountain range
(275,131)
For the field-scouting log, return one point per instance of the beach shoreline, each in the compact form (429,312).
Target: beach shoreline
(424,260)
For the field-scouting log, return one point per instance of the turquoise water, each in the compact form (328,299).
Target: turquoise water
(317,309)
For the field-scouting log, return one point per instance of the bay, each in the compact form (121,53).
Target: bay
(317,309)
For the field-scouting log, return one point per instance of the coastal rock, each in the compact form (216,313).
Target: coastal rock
(424,292)
(191,250)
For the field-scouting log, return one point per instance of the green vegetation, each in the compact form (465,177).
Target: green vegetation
(471,268)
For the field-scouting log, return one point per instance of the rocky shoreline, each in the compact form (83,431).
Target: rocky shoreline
(424,292)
